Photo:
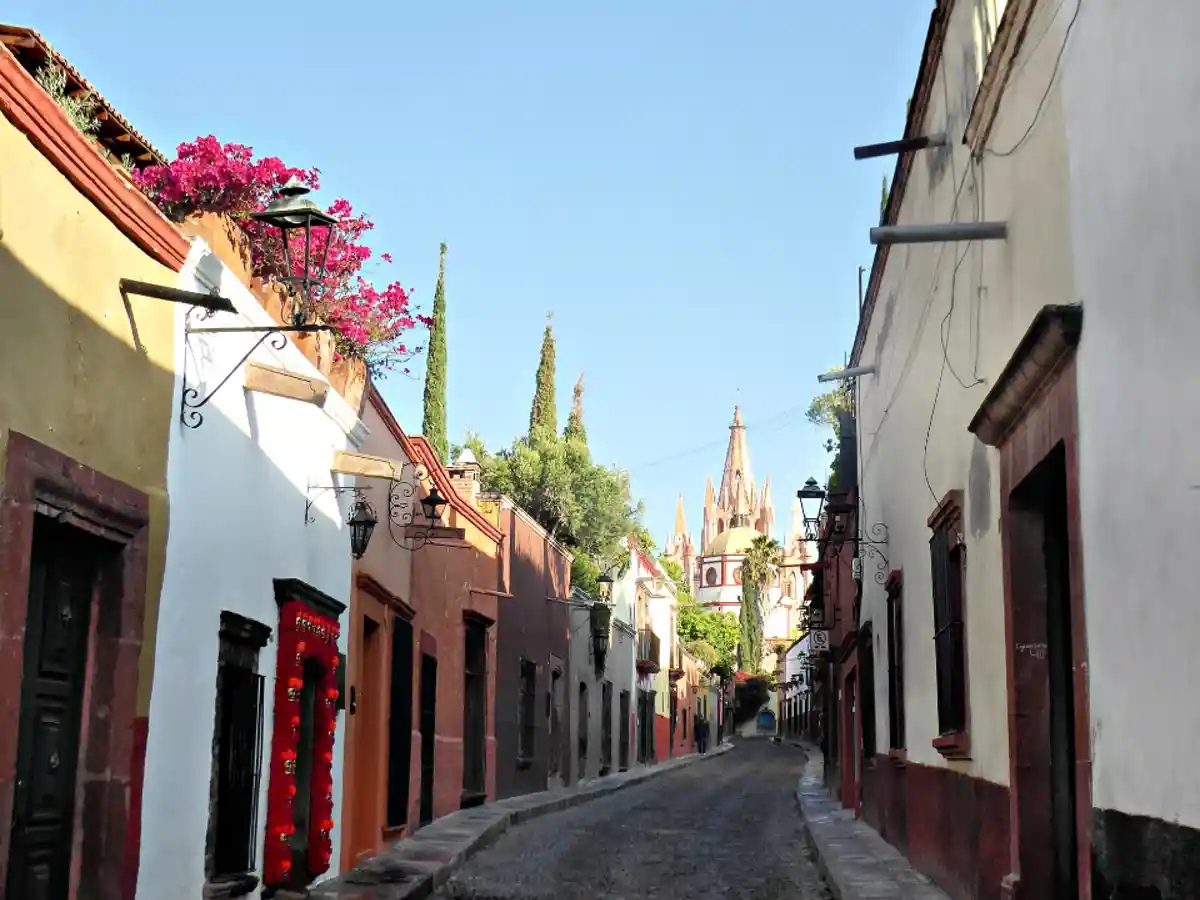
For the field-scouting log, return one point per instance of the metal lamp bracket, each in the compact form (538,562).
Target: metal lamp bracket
(313,491)
(190,399)
(402,509)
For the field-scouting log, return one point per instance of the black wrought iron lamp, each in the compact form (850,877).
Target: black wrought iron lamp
(362,522)
(810,511)
(291,214)
(604,585)
(406,530)
(433,505)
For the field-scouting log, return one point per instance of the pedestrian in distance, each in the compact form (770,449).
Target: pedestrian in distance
(701,734)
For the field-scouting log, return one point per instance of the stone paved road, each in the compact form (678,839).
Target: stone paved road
(726,828)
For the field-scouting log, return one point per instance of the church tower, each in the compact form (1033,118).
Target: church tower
(679,544)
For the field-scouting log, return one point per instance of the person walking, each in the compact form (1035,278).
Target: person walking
(701,733)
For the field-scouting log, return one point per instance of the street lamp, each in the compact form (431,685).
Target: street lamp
(604,585)
(433,505)
(811,511)
(294,214)
(362,522)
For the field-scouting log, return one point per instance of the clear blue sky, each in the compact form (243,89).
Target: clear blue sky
(673,179)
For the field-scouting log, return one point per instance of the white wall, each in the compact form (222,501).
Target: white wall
(914,446)
(237,487)
(618,670)
(1134,131)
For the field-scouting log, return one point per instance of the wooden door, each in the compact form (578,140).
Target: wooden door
(366,709)
(428,730)
(61,586)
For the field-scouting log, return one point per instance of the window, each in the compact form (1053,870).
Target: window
(895,660)
(947,559)
(710,576)
(526,710)
(237,749)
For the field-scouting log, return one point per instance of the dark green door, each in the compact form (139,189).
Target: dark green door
(61,584)
(428,731)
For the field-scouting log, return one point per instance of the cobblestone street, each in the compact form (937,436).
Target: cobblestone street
(725,828)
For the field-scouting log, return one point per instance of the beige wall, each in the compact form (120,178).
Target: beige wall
(79,370)
(993,290)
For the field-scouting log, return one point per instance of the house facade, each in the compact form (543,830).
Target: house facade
(989,457)
(244,762)
(536,700)
(86,391)
(645,593)
(601,674)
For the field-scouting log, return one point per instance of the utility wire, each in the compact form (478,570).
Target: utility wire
(1037,116)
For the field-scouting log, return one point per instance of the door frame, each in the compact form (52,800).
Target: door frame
(41,481)
(1030,410)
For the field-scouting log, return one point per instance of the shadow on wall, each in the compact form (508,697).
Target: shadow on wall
(93,394)
(80,390)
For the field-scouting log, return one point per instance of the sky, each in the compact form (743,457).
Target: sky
(673,180)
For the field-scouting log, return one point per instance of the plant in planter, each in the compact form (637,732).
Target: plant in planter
(369,323)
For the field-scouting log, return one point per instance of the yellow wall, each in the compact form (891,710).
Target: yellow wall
(72,374)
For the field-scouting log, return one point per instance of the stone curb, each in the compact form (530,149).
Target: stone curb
(855,861)
(415,867)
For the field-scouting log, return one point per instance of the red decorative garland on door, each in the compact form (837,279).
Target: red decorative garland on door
(303,634)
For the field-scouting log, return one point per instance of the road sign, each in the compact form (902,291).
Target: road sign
(818,640)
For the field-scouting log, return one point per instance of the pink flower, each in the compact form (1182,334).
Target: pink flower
(208,176)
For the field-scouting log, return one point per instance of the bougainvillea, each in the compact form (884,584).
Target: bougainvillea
(369,323)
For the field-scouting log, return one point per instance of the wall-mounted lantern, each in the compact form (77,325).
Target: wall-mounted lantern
(407,530)
(292,214)
(604,584)
(812,501)
(362,522)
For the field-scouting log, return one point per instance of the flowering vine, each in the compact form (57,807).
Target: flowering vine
(369,323)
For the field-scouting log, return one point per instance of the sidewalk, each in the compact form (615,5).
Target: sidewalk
(857,863)
(417,866)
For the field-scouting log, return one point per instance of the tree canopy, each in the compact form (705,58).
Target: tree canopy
(823,412)
(583,505)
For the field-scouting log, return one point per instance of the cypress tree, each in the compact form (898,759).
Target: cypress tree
(433,424)
(575,427)
(543,418)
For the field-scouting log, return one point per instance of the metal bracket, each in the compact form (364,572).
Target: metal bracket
(403,508)
(190,399)
(315,490)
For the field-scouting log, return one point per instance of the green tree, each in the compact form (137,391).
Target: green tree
(585,506)
(709,635)
(759,568)
(543,416)
(575,429)
(823,412)
(433,424)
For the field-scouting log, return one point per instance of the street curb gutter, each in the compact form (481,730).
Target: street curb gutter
(417,866)
(854,860)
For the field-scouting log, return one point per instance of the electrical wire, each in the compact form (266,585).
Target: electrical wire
(1037,116)
(783,419)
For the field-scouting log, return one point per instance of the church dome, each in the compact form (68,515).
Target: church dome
(734,542)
